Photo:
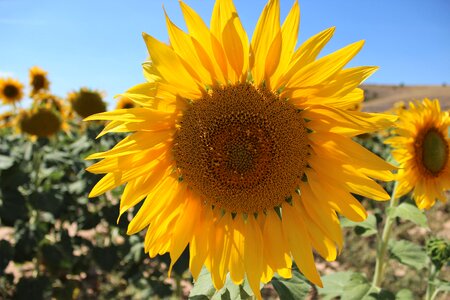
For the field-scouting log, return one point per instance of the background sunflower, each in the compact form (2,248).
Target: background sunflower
(422,149)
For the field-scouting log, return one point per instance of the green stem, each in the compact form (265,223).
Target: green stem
(431,287)
(383,243)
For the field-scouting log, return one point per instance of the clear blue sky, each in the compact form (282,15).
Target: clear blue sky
(98,43)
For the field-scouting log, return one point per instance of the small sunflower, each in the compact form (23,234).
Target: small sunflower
(55,103)
(40,122)
(243,151)
(125,102)
(7,119)
(86,102)
(38,80)
(422,148)
(11,90)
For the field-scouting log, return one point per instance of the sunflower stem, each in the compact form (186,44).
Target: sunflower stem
(433,272)
(383,243)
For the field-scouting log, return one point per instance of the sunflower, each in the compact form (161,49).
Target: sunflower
(40,122)
(243,151)
(7,119)
(125,103)
(38,80)
(11,90)
(56,104)
(86,102)
(422,148)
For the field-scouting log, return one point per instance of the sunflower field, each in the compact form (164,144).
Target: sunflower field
(241,168)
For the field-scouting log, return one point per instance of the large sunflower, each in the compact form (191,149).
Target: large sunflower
(243,151)
(11,90)
(38,80)
(422,148)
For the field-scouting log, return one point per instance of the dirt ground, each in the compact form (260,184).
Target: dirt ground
(380,98)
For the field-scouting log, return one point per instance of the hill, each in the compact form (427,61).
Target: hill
(381,97)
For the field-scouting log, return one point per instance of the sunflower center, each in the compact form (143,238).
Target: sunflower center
(128,105)
(241,148)
(43,123)
(10,91)
(434,151)
(38,82)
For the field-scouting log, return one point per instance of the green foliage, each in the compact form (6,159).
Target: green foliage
(204,289)
(366,228)
(408,253)
(294,288)
(64,245)
(408,212)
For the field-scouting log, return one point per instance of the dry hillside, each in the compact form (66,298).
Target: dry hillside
(381,97)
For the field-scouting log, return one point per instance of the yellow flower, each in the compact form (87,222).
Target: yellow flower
(7,119)
(125,102)
(38,80)
(243,151)
(86,102)
(11,90)
(422,150)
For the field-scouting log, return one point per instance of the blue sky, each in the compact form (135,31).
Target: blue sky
(98,43)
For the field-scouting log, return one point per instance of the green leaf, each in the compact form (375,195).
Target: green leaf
(203,286)
(442,285)
(404,294)
(6,162)
(408,253)
(333,284)
(366,228)
(408,212)
(294,288)
(357,288)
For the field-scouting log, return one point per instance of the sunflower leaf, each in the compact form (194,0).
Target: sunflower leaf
(409,212)
(203,286)
(365,228)
(296,287)
(408,253)
(6,162)
(404,294)
(346,285)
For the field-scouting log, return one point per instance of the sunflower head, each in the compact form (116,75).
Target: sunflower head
(86,102)
(11,90)
(7,119)
(125,102)
(422,149)
(243,149)
(56,104)
(38,80)
(40,122)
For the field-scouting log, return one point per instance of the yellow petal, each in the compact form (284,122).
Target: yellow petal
(337,198)
(289,33)
(266,29)
(183,46)
(226,26)
(198,248)
(236,267)
(321,70)
(168,64)
(184,230)
(299,243)
(253,254)
(204,40)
